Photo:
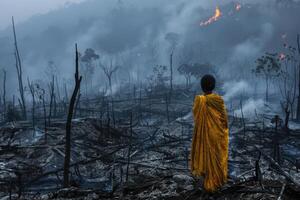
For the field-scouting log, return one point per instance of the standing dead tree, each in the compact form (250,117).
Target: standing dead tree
(41,94)
(78,79)
(171,73)
(288,83)
(32,92)
(4,91)
(19,72)
(52,99)
(173,39)
(109,70)
(276,146)
(129,148)
(298,103)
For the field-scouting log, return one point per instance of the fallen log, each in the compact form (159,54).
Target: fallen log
(281,192)
(279,169)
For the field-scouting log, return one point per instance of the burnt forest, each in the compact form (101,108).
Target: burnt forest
(96,97)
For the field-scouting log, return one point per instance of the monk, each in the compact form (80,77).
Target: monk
(209,153)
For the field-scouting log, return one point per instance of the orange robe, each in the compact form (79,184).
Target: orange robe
(209,153)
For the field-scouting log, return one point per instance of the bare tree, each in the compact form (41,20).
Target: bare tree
(109,70)
(31,87)
(171,73)
(19,72)
(288,84)
(78,79)
(129,147)
(173,39)
(52,99)
(4,91)
(298,103)
(41,93)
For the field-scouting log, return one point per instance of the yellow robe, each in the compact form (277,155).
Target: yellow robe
(209,153)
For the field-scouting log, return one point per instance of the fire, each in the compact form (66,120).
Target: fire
(238,7)
(213,18)
(281,56)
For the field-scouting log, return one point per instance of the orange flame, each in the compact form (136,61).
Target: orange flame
(213,18)
(281,56)
(238,7)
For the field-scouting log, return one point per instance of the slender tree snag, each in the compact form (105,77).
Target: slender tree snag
(4,91)
(69,123)
(32,92)
(77,104)
(171,74)
(258,173)
(19,72)
(298,103)
(57,89)
(243,118)
(45,115)
(129,148)
(109,71)
(52,94)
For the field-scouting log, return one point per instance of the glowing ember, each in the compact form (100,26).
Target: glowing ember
(213,18)
(281,56)
(238,7)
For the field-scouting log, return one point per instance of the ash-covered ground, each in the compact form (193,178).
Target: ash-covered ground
(142,152)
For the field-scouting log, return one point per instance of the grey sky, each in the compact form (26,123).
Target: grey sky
(24,9)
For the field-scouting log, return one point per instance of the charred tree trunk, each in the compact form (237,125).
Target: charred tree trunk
(129,148)
(78,79)
(287,117)
(113,112)
(243,118)
(66,98)
(45,117)
(276,147)
(4,92)
(140,104)
(19,72)
(77,104)
(57,90)
(258,173)
(51,90)
(171,74)
(267,88)
(32,92)
(298,103)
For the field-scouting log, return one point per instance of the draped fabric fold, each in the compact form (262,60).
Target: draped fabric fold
(209,153)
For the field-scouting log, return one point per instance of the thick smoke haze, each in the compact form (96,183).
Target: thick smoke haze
(133,35)
(24,9)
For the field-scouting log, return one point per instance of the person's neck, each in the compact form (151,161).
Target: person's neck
(206,93)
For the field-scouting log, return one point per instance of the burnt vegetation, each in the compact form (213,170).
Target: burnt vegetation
(62,140)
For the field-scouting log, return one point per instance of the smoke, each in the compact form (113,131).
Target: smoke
(235,89)
(251,108)
(132,33)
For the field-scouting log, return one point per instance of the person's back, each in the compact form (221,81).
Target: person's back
(209,153)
